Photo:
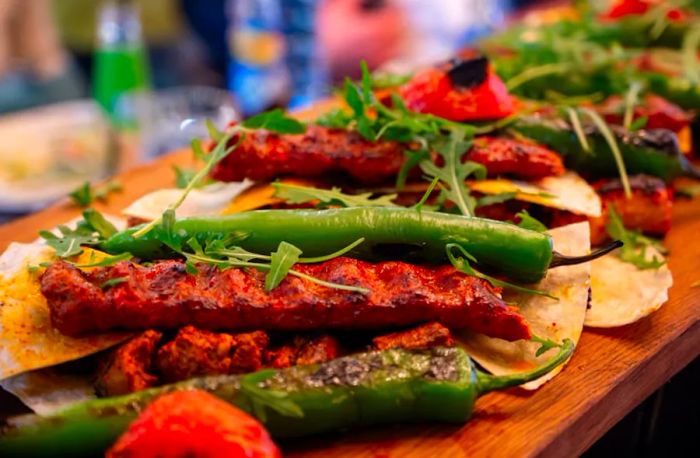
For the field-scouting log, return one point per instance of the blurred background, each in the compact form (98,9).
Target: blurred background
(113,83)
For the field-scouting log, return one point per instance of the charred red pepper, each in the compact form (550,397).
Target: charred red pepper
(626,8)
(194,423)
(463,89)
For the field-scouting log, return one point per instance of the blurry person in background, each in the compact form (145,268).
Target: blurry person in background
(375,31)
(402,35)
(34,67)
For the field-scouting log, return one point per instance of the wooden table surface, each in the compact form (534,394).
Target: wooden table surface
(611,371)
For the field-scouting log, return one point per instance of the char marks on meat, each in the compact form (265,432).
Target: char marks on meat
(264,156)
(165,296)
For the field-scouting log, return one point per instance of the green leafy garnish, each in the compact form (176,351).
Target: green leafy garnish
(609,137)
(99,223)
(107,261)
(113,282)
(387,80)
(183,177)
(86,194)
(495,199)
(545,345)
(631,99)
(635,244)
(275,121)
(70,242)
(578,129)
(281,261)
(426,195)
(454,172)
(296,194)
(219,253)
(529,222)
(461,262)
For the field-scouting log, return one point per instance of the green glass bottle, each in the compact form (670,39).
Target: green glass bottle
(120,64)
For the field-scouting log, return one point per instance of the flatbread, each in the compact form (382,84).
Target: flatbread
(28,341)
(623,293)
(548,318)
(48,390)
(209,200)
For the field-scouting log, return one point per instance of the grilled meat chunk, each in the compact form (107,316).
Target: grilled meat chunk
(425,336)
(263,156)
(524,159)
(304,350)
(164,295)
(649,209)
(129,367)
(194,352)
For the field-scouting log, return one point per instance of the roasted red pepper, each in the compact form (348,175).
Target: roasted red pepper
(626,8)
(460,90)
(194,423)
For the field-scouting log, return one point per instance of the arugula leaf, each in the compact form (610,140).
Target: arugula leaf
(281,261)
(71,241)
(220,151)
(107,261)
(217,253)
(82,195)
(275,121)
(609,137)
(113,282)
(413,159)
(213,131)
(545,345)
(85,194)
(635,244)
(336,254)
(530,222)
(454,172)
(639,123)
(387,80)
(296,194)
(426,195)
(183,176)
(495,199)
(99,223)
(462,264)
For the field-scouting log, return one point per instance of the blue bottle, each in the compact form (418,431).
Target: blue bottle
(258,74)
(308,69)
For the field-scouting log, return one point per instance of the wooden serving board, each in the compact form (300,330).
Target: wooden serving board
(610,373)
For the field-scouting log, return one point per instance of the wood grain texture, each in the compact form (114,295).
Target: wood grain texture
(611,372)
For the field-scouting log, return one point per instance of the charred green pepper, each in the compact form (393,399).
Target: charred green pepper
(652,152)
(405,233)
(373,388)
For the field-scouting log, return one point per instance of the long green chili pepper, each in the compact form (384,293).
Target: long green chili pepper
(653,152)
(520,254)
(392,386)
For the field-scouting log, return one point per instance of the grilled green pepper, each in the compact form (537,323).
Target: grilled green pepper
(520,254)
(388,232)
(391,386)
(653,152)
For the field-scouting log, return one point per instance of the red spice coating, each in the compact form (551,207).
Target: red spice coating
(263,156)
(194,424)
(164,295)
(505,156)
(425,336)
